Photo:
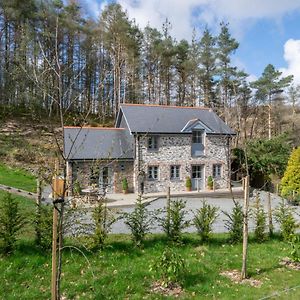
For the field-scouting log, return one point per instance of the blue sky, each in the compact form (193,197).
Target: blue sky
(268,30)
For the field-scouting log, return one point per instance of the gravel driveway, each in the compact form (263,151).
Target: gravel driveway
(192,204)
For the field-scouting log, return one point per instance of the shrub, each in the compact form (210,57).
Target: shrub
(173,222)
(295,248)
(284,216)
(11,222)
(103,220)
(76,188)
(291,179)
(203,220)
(43,227)
(260,220)
(188,182)
(234,223)
(169,266)
(124,184)
(210,182)
(139,222)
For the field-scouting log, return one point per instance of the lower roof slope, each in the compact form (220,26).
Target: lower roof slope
(97,143)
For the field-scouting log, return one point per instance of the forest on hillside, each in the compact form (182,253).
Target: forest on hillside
(54,58)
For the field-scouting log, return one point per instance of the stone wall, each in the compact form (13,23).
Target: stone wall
(81,171)
(176,150)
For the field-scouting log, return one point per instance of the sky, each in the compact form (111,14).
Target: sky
(268,30)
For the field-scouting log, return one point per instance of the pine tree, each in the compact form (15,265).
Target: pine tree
(269,85)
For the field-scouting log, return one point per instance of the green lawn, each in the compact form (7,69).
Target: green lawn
(17,178)
(121,271)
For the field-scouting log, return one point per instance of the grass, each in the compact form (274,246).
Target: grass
(17,178)
(121,271)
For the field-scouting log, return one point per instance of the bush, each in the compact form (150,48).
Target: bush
(11,222)
(188,182)
(76,188)
(234,223)
(284,216)
(170,266)
(173,222)
(295,248)
(291,180)
(124,184)
(203,220)
(103,220)
(43,227)
(260,218)
(210,182)
(139,222)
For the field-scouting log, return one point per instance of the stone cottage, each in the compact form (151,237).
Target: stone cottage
(153,147)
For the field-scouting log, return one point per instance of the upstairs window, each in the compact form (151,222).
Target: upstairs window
(217,170)
(153,172)
(175,172)
(152,143)
(197,137)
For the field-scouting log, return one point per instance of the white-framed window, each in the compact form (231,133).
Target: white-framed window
(175,172)
(217,170)
(197,137)
(153,172)
(152,142)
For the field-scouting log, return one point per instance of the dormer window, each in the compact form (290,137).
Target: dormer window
(197,137)
(197,143)
(153,142)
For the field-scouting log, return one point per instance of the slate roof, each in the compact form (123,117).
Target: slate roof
(97,143)
(169,119)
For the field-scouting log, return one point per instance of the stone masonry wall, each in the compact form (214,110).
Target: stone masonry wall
(81,171)
(176,150)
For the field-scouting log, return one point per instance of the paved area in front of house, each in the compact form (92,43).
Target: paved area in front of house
(124,200)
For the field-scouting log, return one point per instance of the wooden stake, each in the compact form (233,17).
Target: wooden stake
(168,207)
(38,209)
(245,228)
(270,215)
(54,244)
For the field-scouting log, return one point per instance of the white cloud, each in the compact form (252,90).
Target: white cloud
(155,12)
(184,15)
(292,57)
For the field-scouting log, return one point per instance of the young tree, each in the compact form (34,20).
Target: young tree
(234,223)
(139,222)
(11,222)
(204,219)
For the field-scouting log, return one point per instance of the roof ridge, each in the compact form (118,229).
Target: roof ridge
(166,106)
(96,128)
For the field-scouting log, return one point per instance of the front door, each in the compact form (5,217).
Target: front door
(197,177)
(105,179)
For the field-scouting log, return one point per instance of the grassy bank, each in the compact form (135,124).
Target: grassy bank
(17,178)
(121,271)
